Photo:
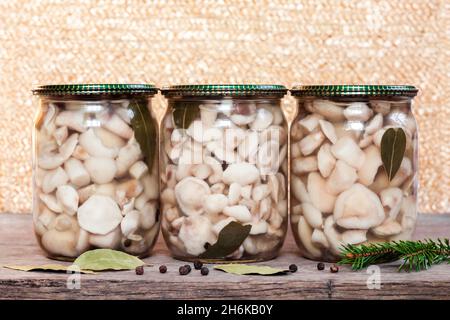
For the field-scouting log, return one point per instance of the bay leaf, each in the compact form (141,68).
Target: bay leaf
(144,127)
(245,269)
(48,267)
(229,240)
(393,145)
(107,259)
(184,112)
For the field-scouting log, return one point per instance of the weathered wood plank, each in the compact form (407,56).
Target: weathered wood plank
(18,246)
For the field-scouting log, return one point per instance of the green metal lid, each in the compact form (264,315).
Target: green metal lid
(354,90)
(272,90)
(94,89)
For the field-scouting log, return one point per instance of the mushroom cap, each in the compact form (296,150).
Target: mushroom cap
(358,208)
(242,173)
(195,232)
(99,214)
(190,194)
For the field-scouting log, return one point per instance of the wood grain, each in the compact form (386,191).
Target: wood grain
(18,246)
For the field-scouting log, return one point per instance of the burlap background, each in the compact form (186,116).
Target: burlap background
(164,42)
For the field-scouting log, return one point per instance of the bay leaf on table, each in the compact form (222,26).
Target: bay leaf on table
(107,259)
(245,269)
(145,132)
(48,267)
(184,112)
(229,240)
(393,145)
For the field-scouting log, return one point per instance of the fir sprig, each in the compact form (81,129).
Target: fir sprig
(415,255)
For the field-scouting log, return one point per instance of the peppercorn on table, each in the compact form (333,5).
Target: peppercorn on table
(18,247)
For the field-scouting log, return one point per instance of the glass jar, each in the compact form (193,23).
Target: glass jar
(224,172)
(353,167)
(95,169)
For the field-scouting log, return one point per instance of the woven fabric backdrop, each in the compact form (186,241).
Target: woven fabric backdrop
(167,42)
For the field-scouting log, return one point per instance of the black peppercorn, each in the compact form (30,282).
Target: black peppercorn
(293,268)
(140,270)
(204,271)
(198,265)
(163,269)
(127,243)
(334,268)
(188,267)
(183,270)
(320,266)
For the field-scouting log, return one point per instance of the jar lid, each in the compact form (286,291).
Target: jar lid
(94,89)
(229,90)
(354,90)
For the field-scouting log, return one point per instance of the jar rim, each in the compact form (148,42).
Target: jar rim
(84,89)
(345,90)
(224,90)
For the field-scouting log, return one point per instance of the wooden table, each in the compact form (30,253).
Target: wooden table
(18,246)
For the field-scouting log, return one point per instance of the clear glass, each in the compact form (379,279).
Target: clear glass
(223,161)
(340,191)
(95,176)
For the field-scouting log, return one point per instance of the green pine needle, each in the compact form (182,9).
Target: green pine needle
(415,255)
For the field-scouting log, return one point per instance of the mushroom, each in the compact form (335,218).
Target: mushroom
(259,227)
(403,173)
(282,208)
(53,179)
(54,160)
(190,194)
(101,170)
(318,238)
(239,212)
(325,160)
(195,232)
(197,131)
(71,119)
(60,135)
(275,133)
(346,149)
(127,156)
(215,203)
(68,197)
(60,243)
(201,171)
(82,241)
(208,114)
(263,119)
(242,173)
(64,222)
(130,223)
(242,113)
(109,139)
(94,146)
(328,130)
(334,238)
(99,215)
(268,158)
(178,136)
(77,173)
(311,142)
(296,132)
(354,236)
(342,178)
(320,198)
(407,217)
(358,208)
(305,233)
(312,215)
(304,164)
(46,217)
(218,188)
(369,168)
(278,116)
(216,167)
(365,141)
(383,107)
(168,196)
(250,245)
(311,122)
(129,189)
(234,193)
(274,186)
(80,154)
(387,228)
(248,148)
(232,138)
(392,198)
(381,182)
(246,192)
(111,240)
(115,124)
(138,169)
(260,192)
(375,124)
(299,190)
(50,201)
(330,110)
(358,111)
(265,207)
